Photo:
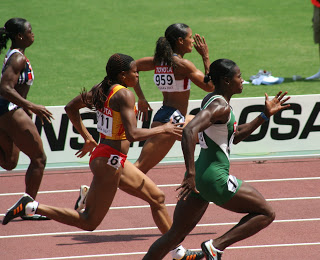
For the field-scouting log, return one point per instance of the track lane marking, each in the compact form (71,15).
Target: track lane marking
(143,228)
(143,253)
(169,185)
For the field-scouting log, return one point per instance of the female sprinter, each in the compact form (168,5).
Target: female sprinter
(17,130)
(172,75)
(207,179)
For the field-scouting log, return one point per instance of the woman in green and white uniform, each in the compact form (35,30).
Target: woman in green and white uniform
(208,180)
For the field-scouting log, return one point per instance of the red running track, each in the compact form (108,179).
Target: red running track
(292,187)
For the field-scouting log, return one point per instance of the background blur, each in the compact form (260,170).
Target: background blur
(74,39)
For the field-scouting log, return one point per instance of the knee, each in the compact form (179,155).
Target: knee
(271,215)
(39,161)
(158,199)
(88,223)
(10,165)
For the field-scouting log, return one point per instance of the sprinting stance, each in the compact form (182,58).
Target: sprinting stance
(173,75)
(17,130)
(207,179)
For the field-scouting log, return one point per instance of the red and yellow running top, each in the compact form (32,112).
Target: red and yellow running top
(109,122)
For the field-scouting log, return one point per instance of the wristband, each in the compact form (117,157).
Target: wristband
(264,116)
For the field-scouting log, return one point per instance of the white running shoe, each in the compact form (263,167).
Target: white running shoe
(315,76)
(81,201)
(210,252)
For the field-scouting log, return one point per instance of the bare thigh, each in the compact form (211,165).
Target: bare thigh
(248,200)
(102,190)
(136,183)
(23,132)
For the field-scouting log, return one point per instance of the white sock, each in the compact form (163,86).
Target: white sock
(178,252)
(31,208)
(315,76)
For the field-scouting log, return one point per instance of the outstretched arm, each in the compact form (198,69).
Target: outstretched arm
(271,107)
(125,100)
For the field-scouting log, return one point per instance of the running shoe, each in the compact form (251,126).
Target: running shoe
(192,255)
(81,201)
(209,251)
(18,209)
(35,217)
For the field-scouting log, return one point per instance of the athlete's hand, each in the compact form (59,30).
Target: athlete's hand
(200,45)
(276,104)
(143,108)
(174,129)
(88,147)
(187,186)
(41,112)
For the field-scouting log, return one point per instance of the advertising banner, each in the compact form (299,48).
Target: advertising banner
(293,132)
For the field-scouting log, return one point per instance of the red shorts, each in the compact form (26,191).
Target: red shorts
(116,159)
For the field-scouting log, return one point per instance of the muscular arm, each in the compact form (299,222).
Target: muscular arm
(188,69)
(15,65)
(125,100)
(10,76)
(72,109)
(143,64)
(271,107)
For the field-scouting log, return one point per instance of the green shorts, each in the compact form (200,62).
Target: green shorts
(214,182)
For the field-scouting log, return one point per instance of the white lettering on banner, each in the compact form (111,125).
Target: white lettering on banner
(296,129)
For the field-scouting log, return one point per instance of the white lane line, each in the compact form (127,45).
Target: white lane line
(174,204)
(142,228)
(169,185)
(143,253)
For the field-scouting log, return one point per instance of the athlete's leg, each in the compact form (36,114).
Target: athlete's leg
(153,151)
(156,148)
(260,215)
(136,183)
(100,196)
(21,129)
(9,152)
(186,216)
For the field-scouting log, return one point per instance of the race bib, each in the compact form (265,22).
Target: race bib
(104,124)
(177,117)
(115,161)
(232,183)
(164,78)
(12,106)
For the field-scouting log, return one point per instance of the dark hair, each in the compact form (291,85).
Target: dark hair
(165,45)
(117,63)
(219,69)
(11,28)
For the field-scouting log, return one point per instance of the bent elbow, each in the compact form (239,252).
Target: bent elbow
(130,139)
